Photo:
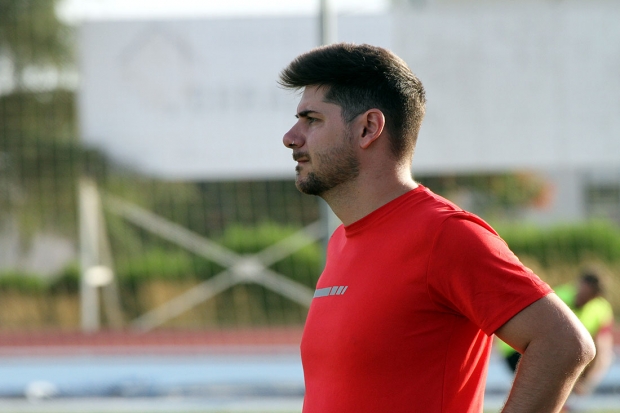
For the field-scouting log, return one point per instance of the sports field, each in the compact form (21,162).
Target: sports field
(208,373)
(95,410)
(597,404)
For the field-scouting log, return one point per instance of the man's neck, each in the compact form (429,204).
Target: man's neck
(354,200)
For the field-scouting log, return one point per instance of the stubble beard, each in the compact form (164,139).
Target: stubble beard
(338,165)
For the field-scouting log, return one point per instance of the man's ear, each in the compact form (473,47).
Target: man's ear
(372,124)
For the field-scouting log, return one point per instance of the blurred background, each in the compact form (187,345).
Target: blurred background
(153,245)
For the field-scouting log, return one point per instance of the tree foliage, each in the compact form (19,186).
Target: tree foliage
(38,146)
(32,35)
(494,196)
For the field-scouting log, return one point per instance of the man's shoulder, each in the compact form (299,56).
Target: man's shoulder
(434,201)
(445,214)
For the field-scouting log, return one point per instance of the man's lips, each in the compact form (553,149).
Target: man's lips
(301,157)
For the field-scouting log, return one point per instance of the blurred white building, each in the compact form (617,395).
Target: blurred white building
(530,86)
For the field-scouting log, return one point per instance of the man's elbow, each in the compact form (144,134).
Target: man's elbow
(581,347)
(589,349)
(571,335)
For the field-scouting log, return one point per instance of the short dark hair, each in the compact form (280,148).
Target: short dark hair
(593,280)
(362,77)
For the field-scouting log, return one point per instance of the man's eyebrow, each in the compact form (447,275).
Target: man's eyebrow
(305,113)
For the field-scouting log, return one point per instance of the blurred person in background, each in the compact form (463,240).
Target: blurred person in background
(586,299)
(414,287)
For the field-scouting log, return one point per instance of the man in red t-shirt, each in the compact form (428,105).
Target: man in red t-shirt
(414,287)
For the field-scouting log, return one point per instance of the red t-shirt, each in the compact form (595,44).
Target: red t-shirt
(404,311)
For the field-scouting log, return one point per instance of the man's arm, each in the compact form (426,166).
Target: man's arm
(555,349)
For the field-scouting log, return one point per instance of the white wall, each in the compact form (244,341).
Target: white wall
(197,99)
(531,87)
(507,88)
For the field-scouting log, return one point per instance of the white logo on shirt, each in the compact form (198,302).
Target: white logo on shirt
(335,290)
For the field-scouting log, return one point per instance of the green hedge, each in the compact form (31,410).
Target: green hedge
(67,280)
(172,263)
(304,265)
(22,282)
(568,244)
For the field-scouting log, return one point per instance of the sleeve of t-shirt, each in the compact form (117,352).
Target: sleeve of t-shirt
(472,272)
(606,318)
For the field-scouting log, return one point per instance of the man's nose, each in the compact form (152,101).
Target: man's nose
(292,139)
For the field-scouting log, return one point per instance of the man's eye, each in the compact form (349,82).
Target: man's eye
(311,119)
